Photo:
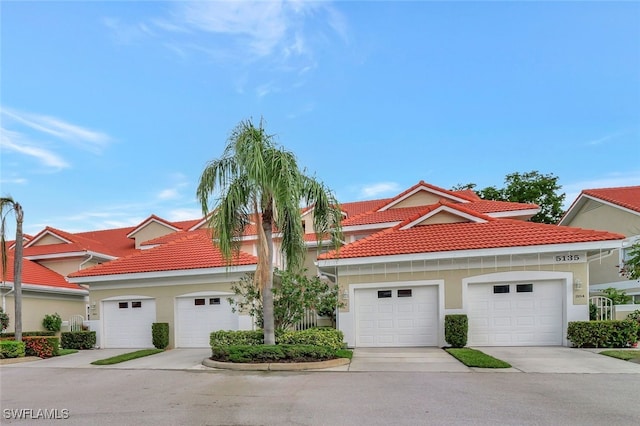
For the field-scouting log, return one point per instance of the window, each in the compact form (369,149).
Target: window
(198,302)
(214,301)
(384,294)
(404,293)
(123,305)
(497,289)
(136,304)
(524,288)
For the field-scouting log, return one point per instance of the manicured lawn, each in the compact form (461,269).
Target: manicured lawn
(62,352)
(625,355)
(475,358)
(344,353)
(127,357)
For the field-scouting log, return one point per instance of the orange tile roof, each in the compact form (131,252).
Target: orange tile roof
(385,216)
(36,274)
(112,242)
(492,206)
(495,233)
(193,250)
(626,196)
(358,207)
(456,194)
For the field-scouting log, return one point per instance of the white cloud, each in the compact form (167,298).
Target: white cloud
(85,138)
(184,214)
(15,142)
(168,194)
(379,189)
(605,138)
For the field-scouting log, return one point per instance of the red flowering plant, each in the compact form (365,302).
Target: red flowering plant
(41,346)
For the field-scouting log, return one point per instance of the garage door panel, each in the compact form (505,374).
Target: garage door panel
(515,318)
(196,320)
(408,320)
(128,324)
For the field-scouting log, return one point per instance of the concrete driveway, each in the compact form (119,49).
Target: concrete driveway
(172,359)
(558,359)
(405,359)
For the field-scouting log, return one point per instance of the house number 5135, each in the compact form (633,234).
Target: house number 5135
(567,258)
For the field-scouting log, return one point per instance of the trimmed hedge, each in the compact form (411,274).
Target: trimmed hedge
(11,349)
(160,334)
(78,339)
(327,337)
(41,346)
(271,353)
(240,337)
(29,333)
(456,327)
(602,334)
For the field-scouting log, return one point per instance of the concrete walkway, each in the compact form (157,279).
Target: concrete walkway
(405,359)
(558,359)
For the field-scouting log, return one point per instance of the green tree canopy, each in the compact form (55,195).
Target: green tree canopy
(530,187)
(257,181)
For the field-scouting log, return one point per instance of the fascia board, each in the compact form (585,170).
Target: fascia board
(514,213)
(48,289)
(547,248)
(427,189)
(45,233)
(161,274)
(147,222)
(70,254)
(369,227)
(440,209)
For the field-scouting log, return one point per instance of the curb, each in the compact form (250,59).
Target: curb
(19,360)
(276,366)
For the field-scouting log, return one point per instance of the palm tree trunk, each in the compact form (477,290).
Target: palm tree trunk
(267,293)
(17,273)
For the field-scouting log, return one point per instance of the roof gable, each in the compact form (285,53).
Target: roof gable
(443,213)
(49,236)
(150,221)
(625,198)
(423,194)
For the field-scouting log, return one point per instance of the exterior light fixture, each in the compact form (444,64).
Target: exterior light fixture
(577,284)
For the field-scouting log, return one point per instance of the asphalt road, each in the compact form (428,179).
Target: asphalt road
(199,397)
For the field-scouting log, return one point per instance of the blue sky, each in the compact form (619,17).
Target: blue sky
(110,110)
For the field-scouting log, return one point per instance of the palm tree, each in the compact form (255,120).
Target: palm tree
(257,181)
(7,204)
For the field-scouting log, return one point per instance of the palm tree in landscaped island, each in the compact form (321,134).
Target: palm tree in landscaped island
(257,181)
(7,204)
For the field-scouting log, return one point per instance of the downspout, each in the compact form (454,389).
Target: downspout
(4,295)
(88,259)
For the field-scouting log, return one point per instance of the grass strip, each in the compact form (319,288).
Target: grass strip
(62,352)
(344,353)
(127,357)
(625,355)
(475,358)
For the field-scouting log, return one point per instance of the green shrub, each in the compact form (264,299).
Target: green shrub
(78,339)
(239,337)
(11,349)
(456,327)
(327,337)
(52,322)
(602,334)
(160,334)
(4,320)
(31,333)
(271,353)
(41,346)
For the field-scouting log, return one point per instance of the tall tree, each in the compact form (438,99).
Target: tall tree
(530,187)
(7,205)
(258,181)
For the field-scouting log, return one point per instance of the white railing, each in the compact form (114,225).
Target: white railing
(604,307)
(309,320)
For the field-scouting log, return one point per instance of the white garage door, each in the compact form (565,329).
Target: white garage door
(198,316)
(525,314)
(404,316)
(127,323)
